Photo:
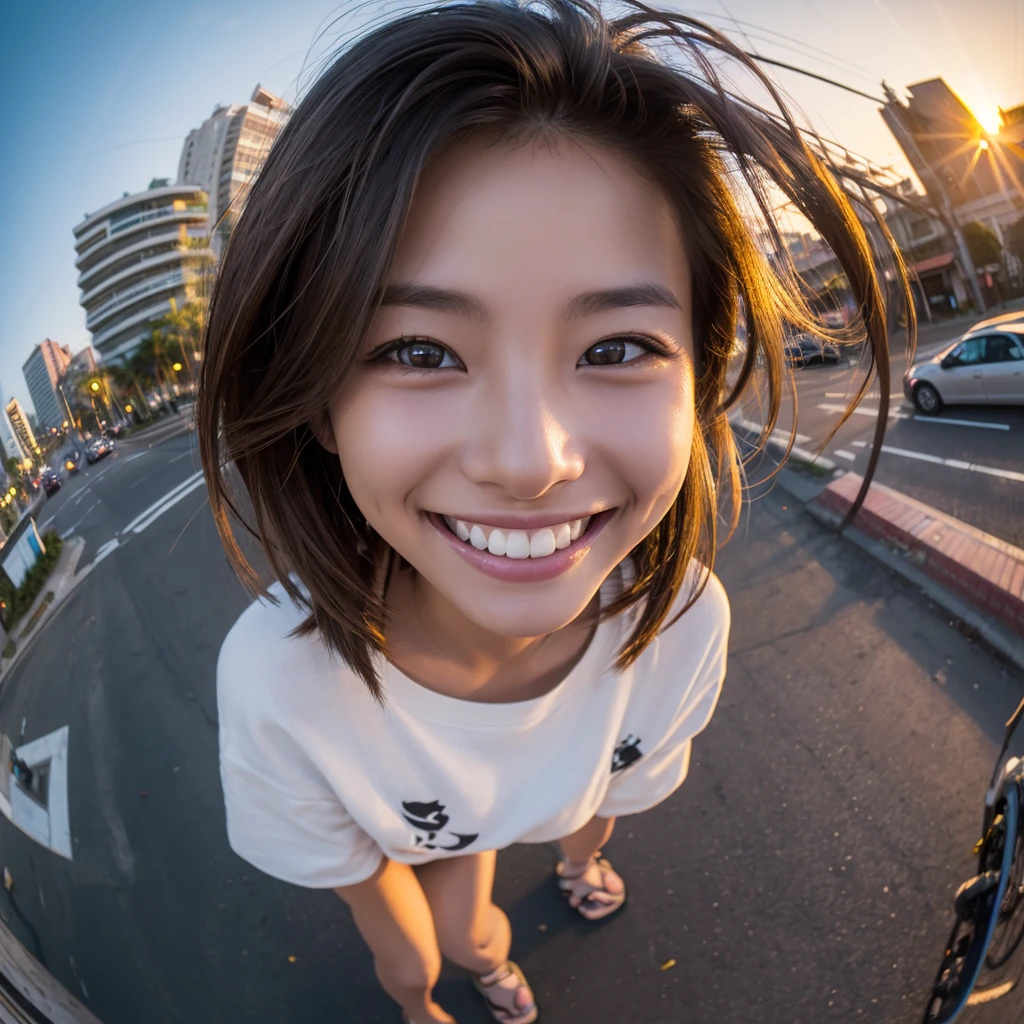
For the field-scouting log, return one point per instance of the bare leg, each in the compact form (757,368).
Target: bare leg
(579,853)
(471,930)
(394,918)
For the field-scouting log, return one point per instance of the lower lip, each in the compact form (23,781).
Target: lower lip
(524,570)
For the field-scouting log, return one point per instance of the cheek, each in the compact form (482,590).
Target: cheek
(385,448)
(653,440)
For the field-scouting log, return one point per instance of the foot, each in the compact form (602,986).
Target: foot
(507,994)
(593,888)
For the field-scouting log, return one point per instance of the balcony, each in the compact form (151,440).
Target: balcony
(144,288)
(152,265)
(123,223)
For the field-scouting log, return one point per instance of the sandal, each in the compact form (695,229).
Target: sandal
(593,902)
(508,1013)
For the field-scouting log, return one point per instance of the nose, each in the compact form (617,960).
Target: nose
(522,438)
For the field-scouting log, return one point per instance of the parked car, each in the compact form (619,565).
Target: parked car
(984,367)
(806,350)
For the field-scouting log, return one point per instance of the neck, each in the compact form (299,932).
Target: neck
(438,646)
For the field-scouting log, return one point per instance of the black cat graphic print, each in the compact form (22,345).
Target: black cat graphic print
(431,819)
(626,753)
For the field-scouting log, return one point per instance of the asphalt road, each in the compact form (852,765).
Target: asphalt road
(984,485)
(803,873)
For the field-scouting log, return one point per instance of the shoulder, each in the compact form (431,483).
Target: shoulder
(703,627)
(711,609)
(260,667)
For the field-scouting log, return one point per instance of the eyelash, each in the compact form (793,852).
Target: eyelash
(383,352)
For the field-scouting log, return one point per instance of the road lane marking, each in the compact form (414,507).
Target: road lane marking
(871,394)
(849,456)
(140,526)
(71,529)
(962,423)
(778,434)
(171,494)
(181,456)
(48,825)
(1003,474)
(860,411)
(137,455)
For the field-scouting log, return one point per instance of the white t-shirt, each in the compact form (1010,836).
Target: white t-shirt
(320,781)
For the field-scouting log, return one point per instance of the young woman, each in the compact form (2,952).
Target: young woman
(468,354)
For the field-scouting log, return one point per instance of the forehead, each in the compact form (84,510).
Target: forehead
(564,213)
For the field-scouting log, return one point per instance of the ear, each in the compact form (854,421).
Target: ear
(323,432)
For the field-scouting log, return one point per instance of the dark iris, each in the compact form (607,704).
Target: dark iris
(422,354)
(605,353)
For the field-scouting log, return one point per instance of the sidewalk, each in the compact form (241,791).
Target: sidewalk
(59,583)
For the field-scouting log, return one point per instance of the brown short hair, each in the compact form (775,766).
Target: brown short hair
(301,276)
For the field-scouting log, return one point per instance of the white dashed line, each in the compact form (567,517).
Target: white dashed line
(962,423)
(849,456)
(894,414)
(1003,474)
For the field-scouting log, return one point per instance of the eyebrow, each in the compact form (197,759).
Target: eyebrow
(444,300)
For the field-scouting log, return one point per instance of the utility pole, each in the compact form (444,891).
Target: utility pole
(906,139)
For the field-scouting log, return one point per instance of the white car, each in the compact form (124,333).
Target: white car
(985,367)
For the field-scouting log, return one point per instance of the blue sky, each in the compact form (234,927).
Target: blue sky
(100,96)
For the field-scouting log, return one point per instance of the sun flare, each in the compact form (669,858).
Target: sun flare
(989,119)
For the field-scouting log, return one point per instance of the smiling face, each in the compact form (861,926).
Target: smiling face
(521,411)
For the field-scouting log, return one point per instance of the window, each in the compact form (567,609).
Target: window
(969,352)
(1001,348)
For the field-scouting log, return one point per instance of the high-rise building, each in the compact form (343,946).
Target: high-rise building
(22,430)
(43,371)
(8,438)
(223,155)
(134,256)
(950,151)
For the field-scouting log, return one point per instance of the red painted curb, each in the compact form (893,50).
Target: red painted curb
(982,568)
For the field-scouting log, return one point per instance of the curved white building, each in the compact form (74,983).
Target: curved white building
(134,256)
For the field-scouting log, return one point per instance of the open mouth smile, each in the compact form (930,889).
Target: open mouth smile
(524,555)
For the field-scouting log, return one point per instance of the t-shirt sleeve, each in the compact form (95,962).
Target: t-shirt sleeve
(282,815)
(676,698)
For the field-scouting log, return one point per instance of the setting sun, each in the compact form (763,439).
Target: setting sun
(989,119)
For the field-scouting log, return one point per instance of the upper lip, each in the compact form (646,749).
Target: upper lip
(533,521)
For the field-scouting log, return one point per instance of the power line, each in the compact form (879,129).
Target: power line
(820,78)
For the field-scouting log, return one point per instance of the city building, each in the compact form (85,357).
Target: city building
(9,439)
(43,371)
(134,256)
(22,429)
(223,155)
(969,174)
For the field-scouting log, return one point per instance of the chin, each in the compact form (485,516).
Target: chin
(525,617)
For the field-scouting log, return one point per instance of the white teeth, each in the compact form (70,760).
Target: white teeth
(542,543)
(518,544)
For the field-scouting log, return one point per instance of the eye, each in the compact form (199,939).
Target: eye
(422,354)
(611,351)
